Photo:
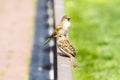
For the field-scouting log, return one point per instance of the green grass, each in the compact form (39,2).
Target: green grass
(95,34)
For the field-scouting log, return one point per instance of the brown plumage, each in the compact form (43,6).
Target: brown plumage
(65,44)
(61,28)
(67,48)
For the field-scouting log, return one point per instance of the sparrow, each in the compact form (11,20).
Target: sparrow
(67,49)
(61,28)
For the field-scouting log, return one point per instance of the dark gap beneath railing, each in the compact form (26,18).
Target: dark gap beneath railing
(55,51)
(40,60)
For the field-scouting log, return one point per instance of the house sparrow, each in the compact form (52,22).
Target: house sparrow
(61,29)
(67,49)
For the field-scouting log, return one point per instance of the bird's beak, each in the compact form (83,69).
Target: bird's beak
(68,19)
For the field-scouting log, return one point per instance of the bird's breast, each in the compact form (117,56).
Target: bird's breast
(66,25)
(62,32)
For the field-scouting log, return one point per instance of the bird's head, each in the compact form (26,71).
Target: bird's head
(65,22)
(61,37)
(65,18)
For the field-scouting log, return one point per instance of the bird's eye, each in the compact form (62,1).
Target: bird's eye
(68,19)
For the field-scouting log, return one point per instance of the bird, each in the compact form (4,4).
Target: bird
(67,49)
(61,28)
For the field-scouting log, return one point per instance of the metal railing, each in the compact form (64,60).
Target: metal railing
(46,63)
(64,71)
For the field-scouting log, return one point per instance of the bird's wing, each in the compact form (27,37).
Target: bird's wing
(54,33)
(72,58)
(66,47)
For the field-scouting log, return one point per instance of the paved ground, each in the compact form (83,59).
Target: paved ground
(16,21)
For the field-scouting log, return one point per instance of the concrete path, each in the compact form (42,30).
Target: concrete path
(16,22)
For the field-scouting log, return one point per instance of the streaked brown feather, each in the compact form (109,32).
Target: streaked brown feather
(67,47)
(53,34)
(66,51)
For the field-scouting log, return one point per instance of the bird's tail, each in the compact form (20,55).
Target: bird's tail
(74,62)
(47,40)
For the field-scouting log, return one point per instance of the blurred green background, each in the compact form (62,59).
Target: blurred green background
(95,34)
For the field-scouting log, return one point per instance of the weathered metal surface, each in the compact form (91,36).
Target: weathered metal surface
(64,71)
